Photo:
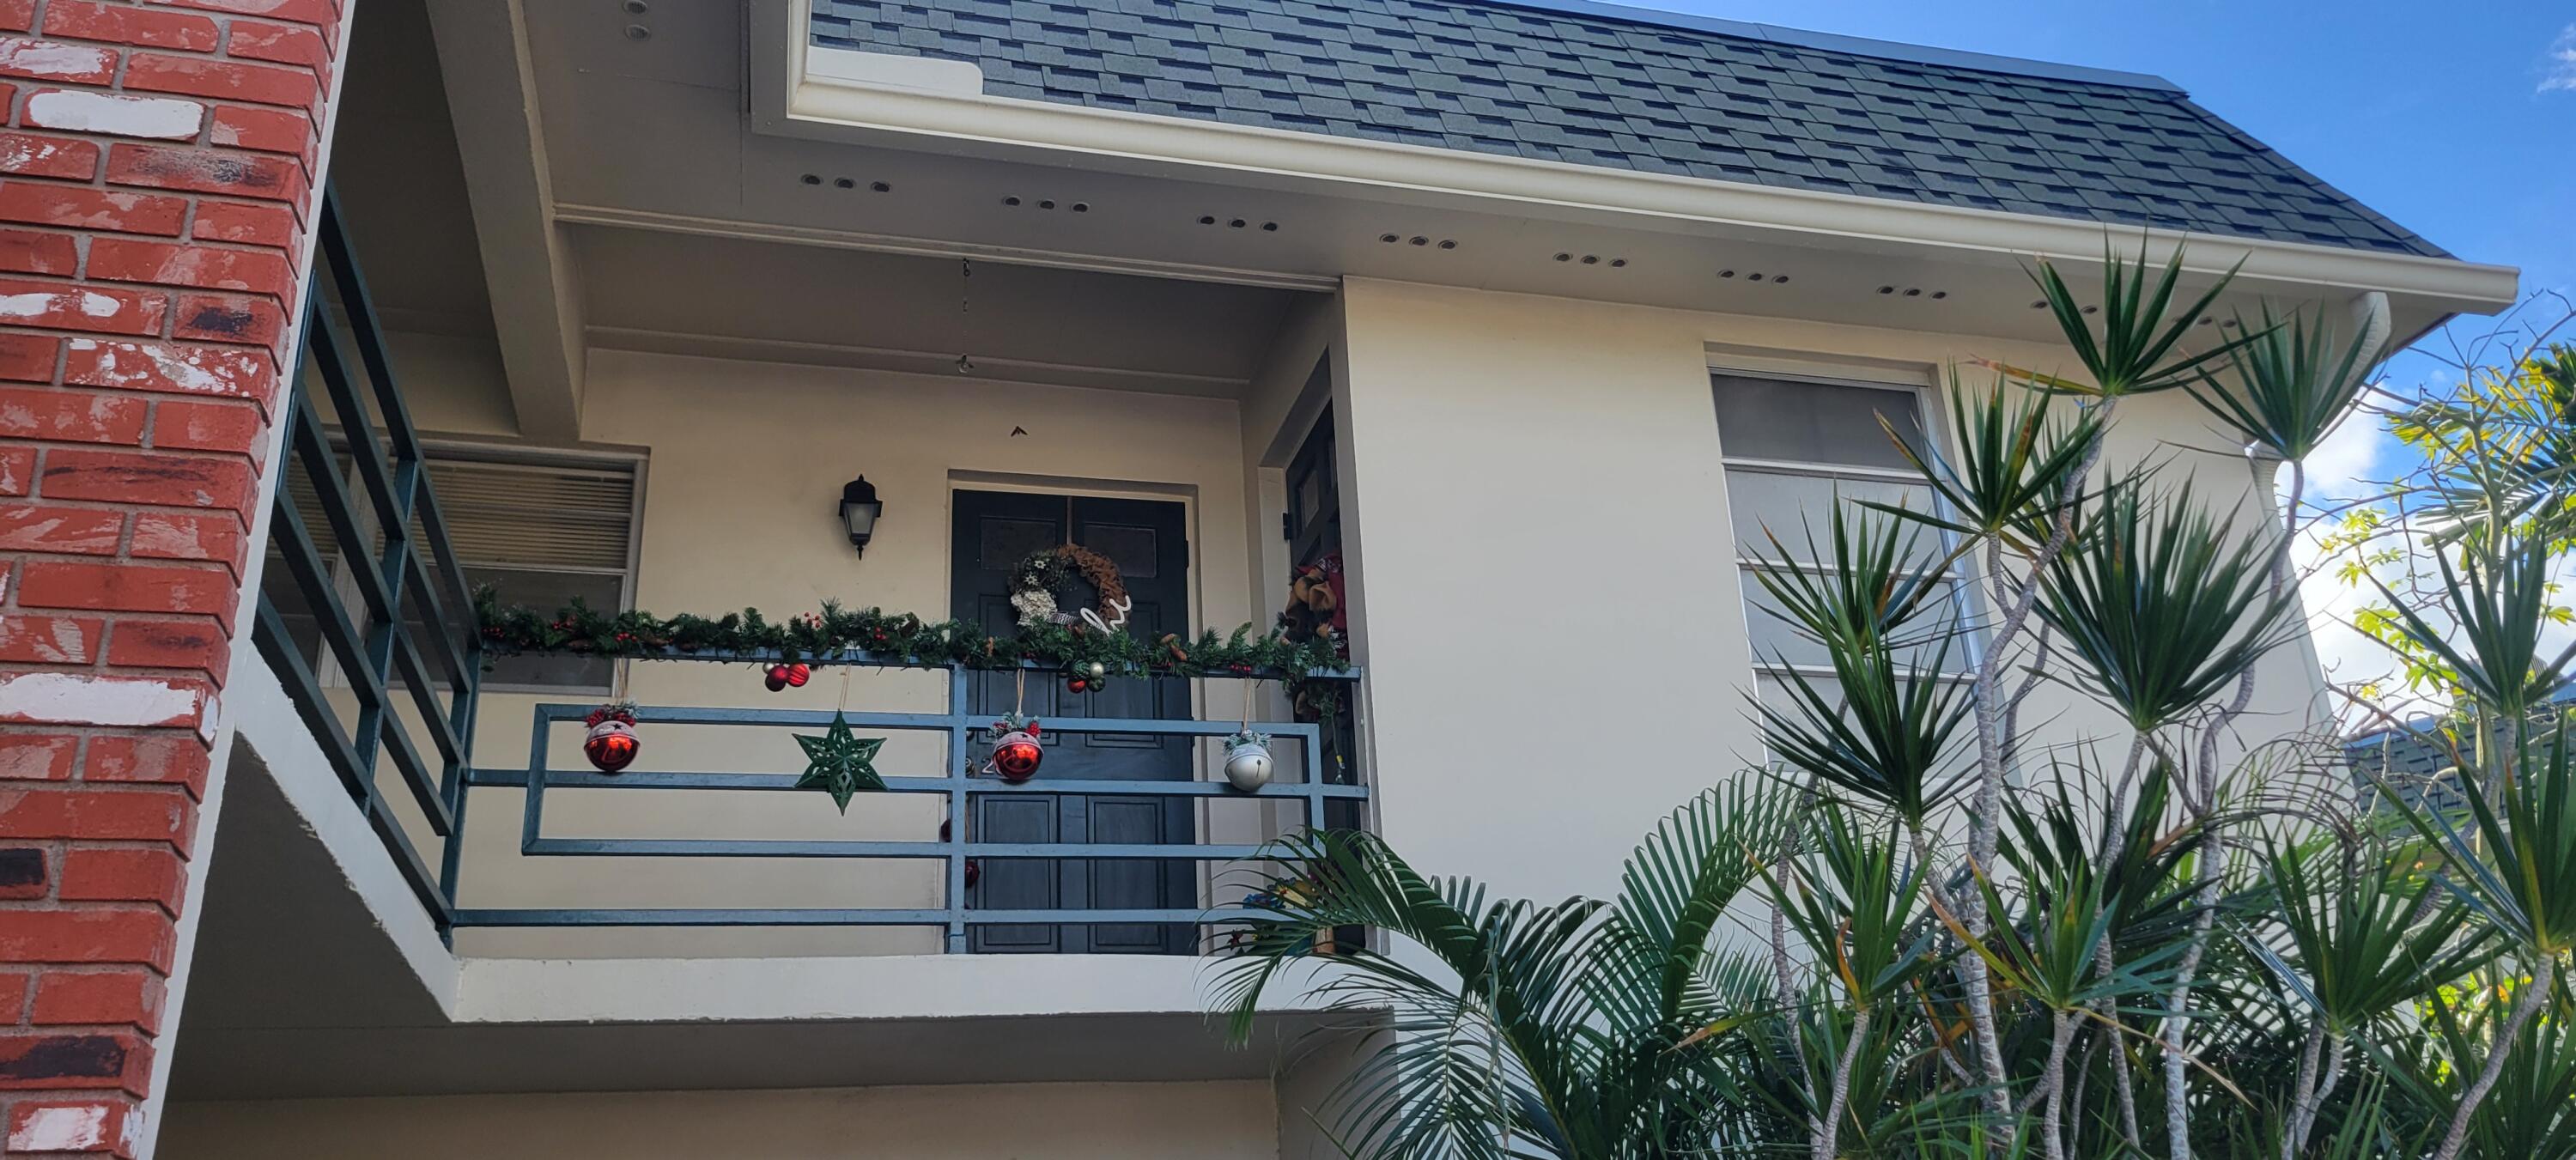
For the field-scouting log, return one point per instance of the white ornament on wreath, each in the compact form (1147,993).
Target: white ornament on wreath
(1248,764)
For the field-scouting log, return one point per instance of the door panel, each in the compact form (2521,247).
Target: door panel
(1147,540)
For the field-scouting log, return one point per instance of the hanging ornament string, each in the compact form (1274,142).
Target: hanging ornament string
(965,320)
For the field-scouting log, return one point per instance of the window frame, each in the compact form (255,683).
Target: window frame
(637,463)
(1962,573)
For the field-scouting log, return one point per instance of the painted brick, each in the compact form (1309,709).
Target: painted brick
(60,1127)
(17,470)
(28,358)
(322,13)
(49,60)
(123,815)
(39,156)
(124,588)
(83,111)
(205,171)
(229,318)
(61,698)
(171,369)
(81,207)
(14,986)
(123,24)
(50,640)
(37,756)
(283,43)
(265,130)
(213,537)
(201,267)
(199,645)
(40,1061)
(124,874)
(17,15)
(27,527)
(37,252)
(24,873)
(197,76)
(99,309)
(154,758)
(65,998)
(235,221)
(148,477)
(71,416)
(215,425)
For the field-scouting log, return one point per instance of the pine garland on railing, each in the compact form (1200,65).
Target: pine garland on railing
(872,636)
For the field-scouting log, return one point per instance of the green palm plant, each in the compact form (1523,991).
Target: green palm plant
(2364,936)
(2288,385)
(2139,348)
(2529,1113)
(2163,608)
(1578,1030)
(2013,463)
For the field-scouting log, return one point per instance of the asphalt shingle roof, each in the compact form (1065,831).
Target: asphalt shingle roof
(1608,87)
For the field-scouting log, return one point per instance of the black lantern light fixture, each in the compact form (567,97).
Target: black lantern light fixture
(859,510)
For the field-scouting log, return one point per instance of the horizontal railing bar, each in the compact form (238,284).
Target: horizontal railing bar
(905,661)
(482,778)
(1161,726)
(817,917)
(926,849)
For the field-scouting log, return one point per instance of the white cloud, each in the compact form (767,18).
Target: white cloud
(2558,65)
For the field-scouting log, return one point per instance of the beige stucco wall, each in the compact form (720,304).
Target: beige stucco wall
(1546,595)
(1177,1121)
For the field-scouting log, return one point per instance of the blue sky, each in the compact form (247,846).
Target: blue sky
(2458,120)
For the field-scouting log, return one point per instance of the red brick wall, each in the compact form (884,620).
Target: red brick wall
(157,176)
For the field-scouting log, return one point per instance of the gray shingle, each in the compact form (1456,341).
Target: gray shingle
(1610,89)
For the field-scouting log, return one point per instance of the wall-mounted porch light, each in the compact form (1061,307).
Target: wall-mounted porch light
(859,510)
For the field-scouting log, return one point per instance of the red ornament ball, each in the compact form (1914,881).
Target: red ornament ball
(611,746)
(776,678)
(798,674)
(1016,757)
(1077,685)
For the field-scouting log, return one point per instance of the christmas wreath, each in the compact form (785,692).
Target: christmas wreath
(1042,584)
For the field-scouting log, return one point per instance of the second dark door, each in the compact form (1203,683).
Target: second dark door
(1146,539)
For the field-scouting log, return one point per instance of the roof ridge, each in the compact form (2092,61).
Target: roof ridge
(1893,50)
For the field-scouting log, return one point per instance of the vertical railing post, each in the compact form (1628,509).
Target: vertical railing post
(961,761)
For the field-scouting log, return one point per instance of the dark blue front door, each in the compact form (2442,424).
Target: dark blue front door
(1147,541)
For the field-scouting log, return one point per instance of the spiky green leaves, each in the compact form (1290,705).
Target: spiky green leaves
(2163,605)
(2361,937)
(2139,348)
(2014,461)
(2287,386)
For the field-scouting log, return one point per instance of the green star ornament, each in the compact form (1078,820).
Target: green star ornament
(839,764)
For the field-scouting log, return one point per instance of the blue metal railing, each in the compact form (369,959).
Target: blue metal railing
(382,539)
(956,848)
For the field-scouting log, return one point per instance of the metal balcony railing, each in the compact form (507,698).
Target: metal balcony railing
(362,607)
(958,849)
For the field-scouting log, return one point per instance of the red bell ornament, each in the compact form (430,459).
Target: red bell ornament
(1016,754)
(612,745)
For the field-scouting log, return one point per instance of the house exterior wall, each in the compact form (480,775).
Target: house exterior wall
(1536,489)
(158,178)
(1231,1120)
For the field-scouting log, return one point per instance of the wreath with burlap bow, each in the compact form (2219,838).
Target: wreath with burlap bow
(1043,584)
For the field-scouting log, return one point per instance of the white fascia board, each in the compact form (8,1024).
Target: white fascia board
(816,95)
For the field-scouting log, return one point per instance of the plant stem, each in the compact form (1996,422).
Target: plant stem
(2525,1005)
(2303,1094)
(1832,1127)
(2061,1030)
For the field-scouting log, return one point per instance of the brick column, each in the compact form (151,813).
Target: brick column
(157,179)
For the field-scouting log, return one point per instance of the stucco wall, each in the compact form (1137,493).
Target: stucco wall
(1195,1121)
(1546,595)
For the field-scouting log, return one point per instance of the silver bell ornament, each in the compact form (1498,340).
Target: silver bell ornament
(1247,760)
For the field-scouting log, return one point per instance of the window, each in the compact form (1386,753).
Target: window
(540,530)
(1794,448)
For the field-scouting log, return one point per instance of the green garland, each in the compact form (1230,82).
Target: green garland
(872,636)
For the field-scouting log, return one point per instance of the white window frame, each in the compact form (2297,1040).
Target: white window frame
(1962,573)
(635,462)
